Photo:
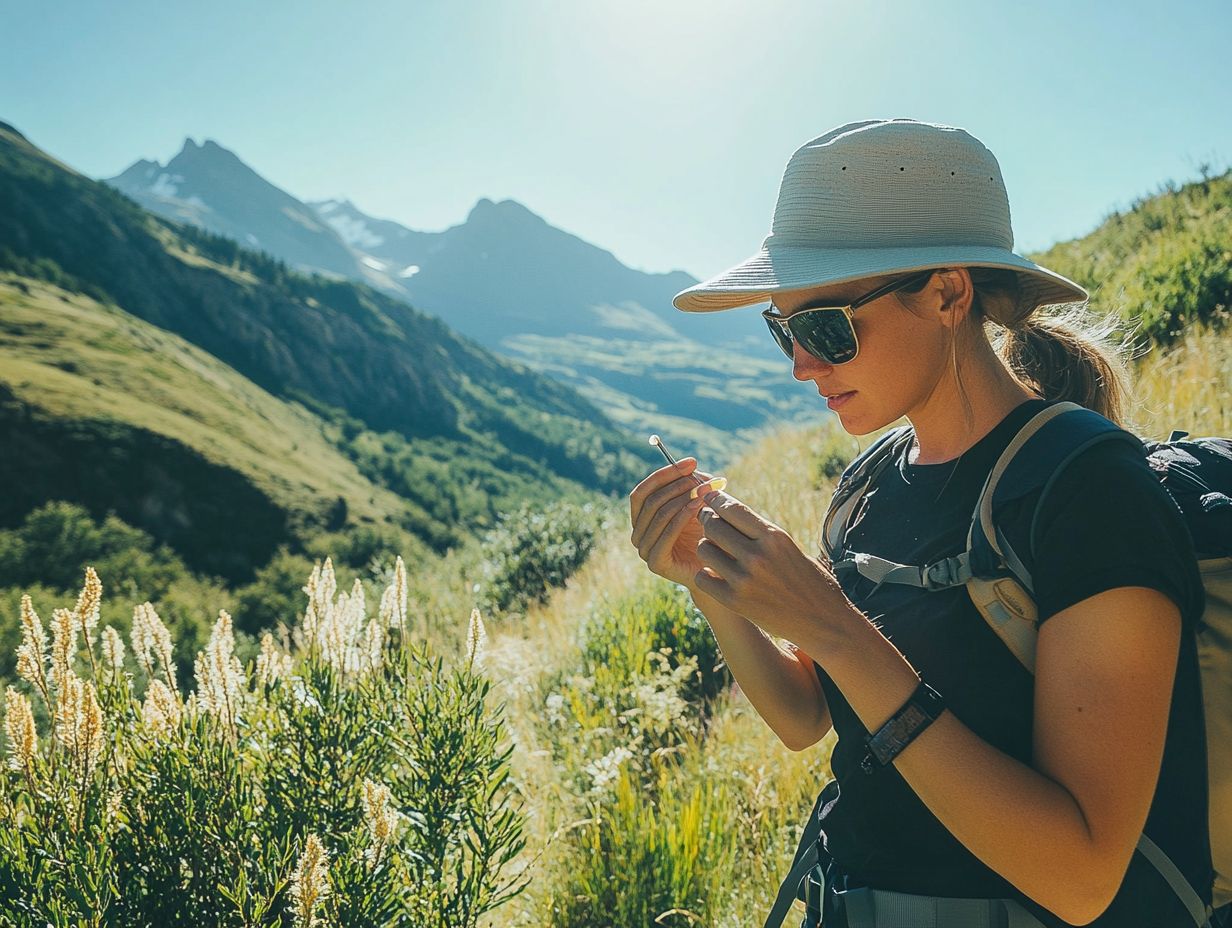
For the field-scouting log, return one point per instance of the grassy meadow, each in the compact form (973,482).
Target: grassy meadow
(573,754)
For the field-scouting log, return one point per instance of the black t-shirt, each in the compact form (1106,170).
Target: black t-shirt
(1106,523)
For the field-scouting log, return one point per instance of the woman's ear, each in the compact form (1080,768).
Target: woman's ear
(956,294)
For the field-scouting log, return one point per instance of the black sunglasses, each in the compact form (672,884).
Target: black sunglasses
(826,332)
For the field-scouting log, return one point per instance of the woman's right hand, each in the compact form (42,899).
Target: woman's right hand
(665,527)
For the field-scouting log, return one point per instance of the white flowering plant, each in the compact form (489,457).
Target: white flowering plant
(345,776)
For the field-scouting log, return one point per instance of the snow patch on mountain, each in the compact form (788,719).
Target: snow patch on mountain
(409,271)
(373,263)
(350,228)
(166,185)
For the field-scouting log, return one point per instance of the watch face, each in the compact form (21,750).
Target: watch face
(922,708)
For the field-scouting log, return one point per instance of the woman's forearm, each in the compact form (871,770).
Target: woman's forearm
(782,685)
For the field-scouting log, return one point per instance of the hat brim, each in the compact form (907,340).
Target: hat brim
(779,268)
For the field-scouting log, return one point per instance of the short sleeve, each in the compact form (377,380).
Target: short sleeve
(1107,522)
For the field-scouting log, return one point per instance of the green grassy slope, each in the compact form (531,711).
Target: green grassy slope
(112,412)
(1166,263)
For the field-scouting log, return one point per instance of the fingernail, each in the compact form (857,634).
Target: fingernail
(711,496)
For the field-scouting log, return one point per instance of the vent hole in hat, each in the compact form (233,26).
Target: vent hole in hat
(844,167)
(951,173)
(902,169)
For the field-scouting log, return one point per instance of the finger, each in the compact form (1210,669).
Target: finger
(664,498)
(715,557)
(649,534)
(726,536)
(738,515)
(677,489)
(661,547)
(712,584)
(656,480)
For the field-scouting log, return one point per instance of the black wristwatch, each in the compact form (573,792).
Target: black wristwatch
(920,711)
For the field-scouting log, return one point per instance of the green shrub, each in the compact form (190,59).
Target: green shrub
(829,466)
(532,551)
(275,594)
(624,636)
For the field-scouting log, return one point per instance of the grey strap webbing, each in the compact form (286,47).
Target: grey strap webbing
(807,857)
(1163,863)
(879,908)
(953,571)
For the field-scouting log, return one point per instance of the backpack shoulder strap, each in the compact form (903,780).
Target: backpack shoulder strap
(1033,460)
(855,479)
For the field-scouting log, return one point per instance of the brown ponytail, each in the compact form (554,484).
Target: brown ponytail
(1063,353)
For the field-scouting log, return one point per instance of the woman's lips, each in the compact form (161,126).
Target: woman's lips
(840,399)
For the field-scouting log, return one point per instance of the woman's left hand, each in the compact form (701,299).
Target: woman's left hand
(755,568)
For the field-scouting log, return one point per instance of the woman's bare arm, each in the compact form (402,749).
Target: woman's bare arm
(781,684)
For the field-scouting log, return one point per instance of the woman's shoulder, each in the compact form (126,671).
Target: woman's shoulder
(1106,473)
(1107,521)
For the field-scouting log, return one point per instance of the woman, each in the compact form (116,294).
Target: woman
(1030,790)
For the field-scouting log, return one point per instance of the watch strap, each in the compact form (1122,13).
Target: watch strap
(917,713)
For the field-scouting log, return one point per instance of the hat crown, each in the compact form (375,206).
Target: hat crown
(892,184)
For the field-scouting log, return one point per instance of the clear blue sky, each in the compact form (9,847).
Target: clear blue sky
(657,129)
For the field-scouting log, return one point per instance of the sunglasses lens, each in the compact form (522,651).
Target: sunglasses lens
(781,336)
(826,334)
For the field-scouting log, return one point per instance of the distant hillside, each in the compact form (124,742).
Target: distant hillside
(479,430)
(1166,263)
(506,271)
(329,343)
(515,284)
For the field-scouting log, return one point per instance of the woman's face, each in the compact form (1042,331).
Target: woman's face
(902,353)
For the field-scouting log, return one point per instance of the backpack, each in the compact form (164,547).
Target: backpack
(1198,476)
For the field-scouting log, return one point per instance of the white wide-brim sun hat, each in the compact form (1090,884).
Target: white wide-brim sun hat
(876,198)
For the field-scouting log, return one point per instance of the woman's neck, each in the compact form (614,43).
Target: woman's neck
(943,430)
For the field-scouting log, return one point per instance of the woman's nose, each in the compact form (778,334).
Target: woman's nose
(805,366)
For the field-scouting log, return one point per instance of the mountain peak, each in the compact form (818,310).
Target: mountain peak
(209,150)
(504,213)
